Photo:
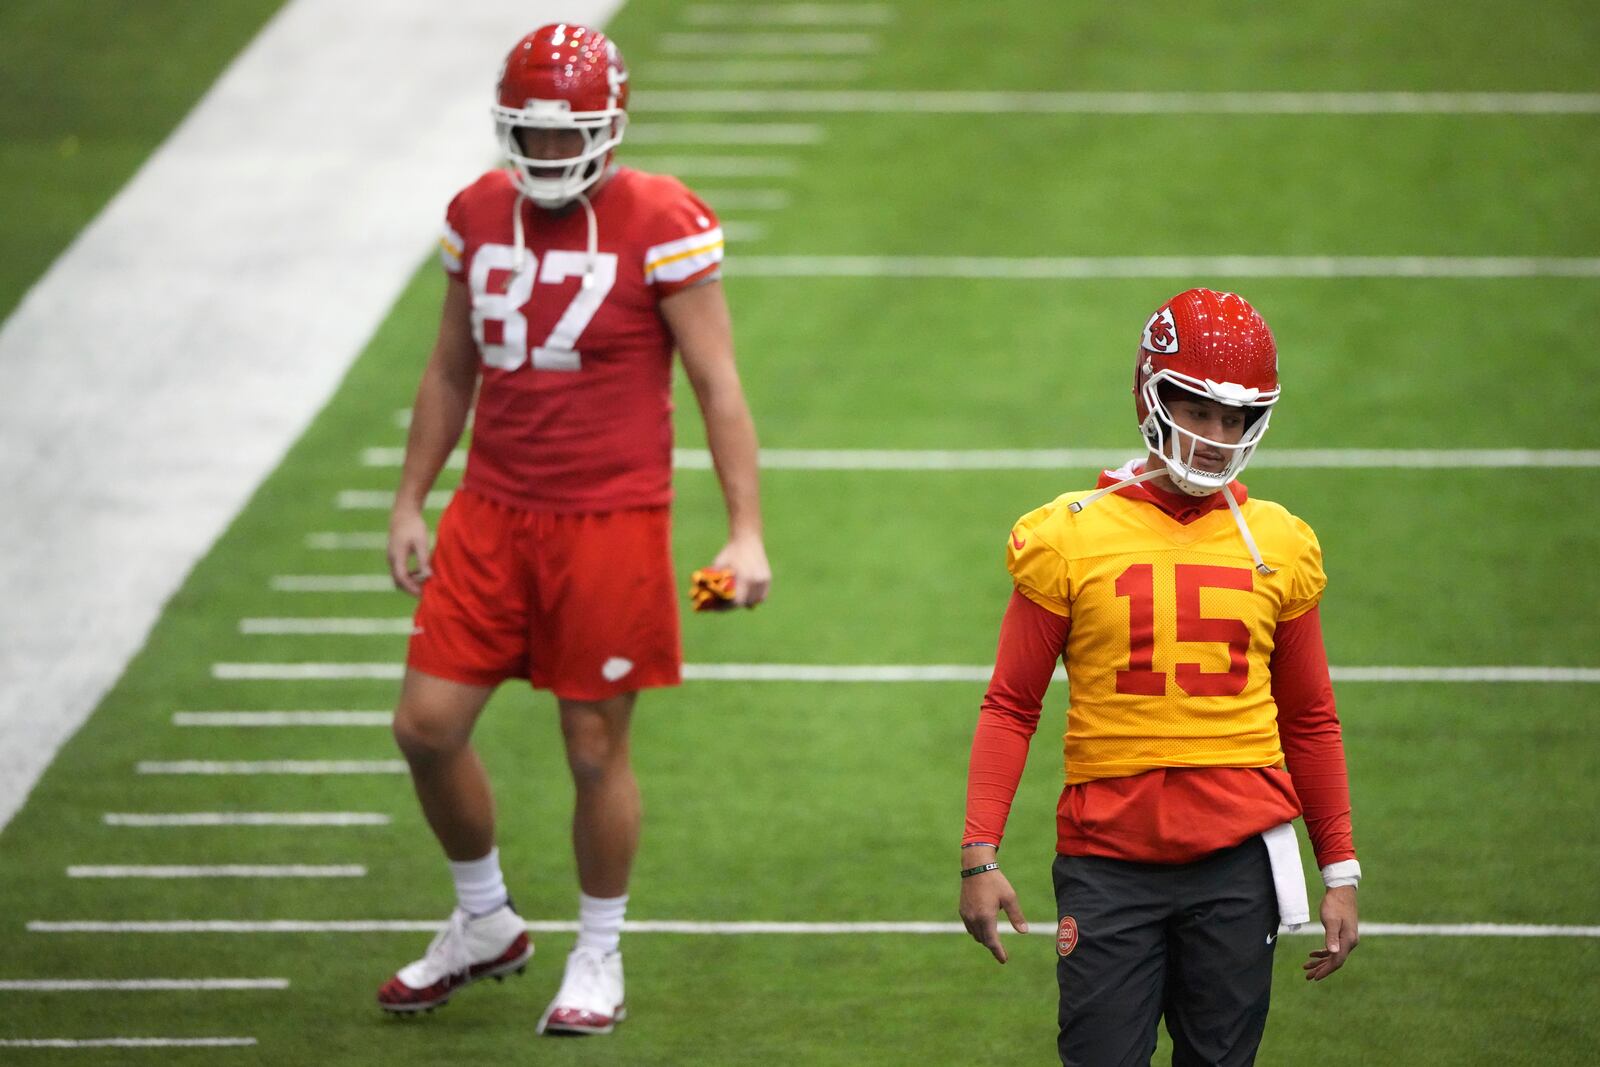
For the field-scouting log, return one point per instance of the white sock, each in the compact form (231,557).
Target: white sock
(480,887)
(600,921)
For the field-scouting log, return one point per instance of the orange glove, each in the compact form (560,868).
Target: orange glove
(711,589)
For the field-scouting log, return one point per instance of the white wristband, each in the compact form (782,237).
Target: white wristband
(1345,872)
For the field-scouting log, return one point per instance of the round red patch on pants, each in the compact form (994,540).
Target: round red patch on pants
(1067,936)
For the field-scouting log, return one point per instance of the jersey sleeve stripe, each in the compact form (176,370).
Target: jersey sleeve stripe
(450,248)
(677,260)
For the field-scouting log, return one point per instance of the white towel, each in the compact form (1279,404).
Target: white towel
(1288,876)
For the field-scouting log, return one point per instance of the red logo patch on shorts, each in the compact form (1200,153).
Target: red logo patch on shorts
(1067,936)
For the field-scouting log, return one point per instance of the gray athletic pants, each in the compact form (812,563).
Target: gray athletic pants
(1192,942)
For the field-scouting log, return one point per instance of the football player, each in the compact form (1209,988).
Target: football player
(1201,723)
(572,280)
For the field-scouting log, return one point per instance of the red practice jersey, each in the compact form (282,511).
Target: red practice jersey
(574,409)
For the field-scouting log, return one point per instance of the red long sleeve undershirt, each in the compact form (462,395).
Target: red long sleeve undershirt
(1165,815)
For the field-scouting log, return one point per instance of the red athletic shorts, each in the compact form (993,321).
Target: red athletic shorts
(581,604)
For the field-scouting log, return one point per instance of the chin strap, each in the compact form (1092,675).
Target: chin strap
(1078,505)
(1244,531)
(1227,494)
(594,242)
(521,244)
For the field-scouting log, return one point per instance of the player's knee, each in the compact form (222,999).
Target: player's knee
(593,752)
(422,740)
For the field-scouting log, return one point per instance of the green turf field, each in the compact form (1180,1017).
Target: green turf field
(805,802)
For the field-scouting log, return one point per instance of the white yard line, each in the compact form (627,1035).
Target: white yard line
(221,311)
(874,673)
(383,499)
(935,102)
(743,231)
(702,166)
(332,583)
(224,870)
(670,926)
(245,818)
(281,718)
(755,71)
(1057,268)
(354,627)
(728,133)
(362,542)
(892,459)
(307,767)
(789,14)
(119,985)
(306,672)
(767,44)
(127,1042)
(746,199)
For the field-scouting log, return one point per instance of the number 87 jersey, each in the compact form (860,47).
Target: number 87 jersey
(1172,627)
(574,408)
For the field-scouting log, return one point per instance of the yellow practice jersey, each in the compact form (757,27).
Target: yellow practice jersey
(1172,627)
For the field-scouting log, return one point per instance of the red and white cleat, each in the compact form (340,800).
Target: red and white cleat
(467,950)
(590,999)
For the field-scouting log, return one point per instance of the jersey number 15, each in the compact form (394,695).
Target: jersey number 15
(1137,583)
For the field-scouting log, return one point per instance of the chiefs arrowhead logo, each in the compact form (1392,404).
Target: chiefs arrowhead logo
(1067,936)
(1161,333)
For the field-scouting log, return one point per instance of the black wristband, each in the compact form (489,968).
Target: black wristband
(980,869)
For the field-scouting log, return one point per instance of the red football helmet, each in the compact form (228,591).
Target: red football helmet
(562,77)
(1216,346)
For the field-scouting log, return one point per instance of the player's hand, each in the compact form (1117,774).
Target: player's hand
(408,551)
(983,898)
(1339,922)
(746,557)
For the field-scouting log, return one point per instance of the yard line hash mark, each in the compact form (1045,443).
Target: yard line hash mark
(244,818)
(309,767)
(933,102)
(893,672)
(225,870)
(647,926)
(281,718)
(88,985)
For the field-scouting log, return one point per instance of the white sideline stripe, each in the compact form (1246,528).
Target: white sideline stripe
(789,14)
(744,231)
(369,499)
(716,166)
(201,327)
(224,870)
(669,926)
(127,1042)
(312,767)
(246,818)
(365,542)
(332,583)
(84,985)
(1059,458)
(358,627)
(746,199)
(890,459)
(756,70)
(935,672)
(729,133)
(1053,268)
(281,718)
(768,44)
(1119,103)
